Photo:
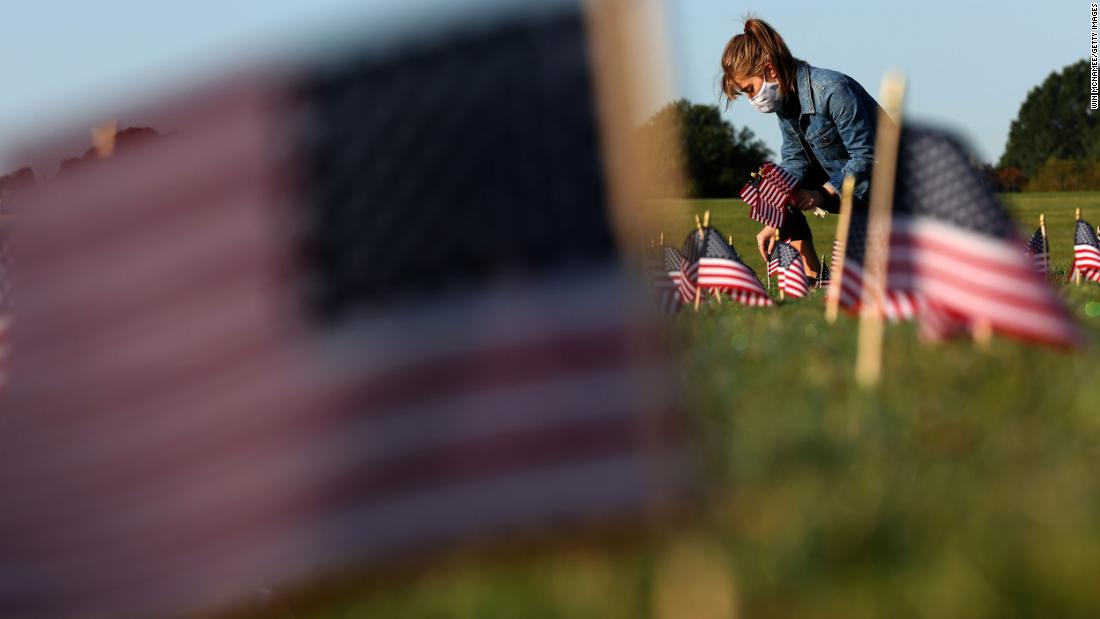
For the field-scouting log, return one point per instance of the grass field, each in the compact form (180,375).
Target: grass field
(967,486)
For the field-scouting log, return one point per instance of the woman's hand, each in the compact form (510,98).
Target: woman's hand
(764,242)
(808,200)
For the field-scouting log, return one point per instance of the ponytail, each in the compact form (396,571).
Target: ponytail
(748,53)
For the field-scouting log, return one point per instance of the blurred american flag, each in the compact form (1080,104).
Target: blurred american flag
(954,260)
(334,319)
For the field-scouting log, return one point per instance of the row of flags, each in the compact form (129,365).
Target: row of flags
(1086,250)
(953,259)
(708,268)
(768,194)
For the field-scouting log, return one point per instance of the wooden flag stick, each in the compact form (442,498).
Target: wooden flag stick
(869,348)
(832,301)
(662,239)
(1046,243)
(1076,271)
(103,138)
(698,288)
(982,332)
(779,277)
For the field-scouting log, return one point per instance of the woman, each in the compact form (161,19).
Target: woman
(826,118)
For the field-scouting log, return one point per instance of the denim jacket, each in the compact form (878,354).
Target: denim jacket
(834,124)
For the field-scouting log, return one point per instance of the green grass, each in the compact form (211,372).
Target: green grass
(966,486)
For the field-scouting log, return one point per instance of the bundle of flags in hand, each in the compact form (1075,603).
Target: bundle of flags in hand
(768,194)
(1086,252)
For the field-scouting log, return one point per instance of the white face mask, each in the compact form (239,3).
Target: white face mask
(768,99)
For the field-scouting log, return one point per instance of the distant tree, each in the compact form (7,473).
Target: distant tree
(1004,179)
(717,159)
(1065,175)
(1009,178)
(1054,121)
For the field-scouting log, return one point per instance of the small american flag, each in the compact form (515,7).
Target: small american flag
(1039,251)
(956,246)
(1086,252)
(792,271)
(773,261)
(769,194)
(715,265)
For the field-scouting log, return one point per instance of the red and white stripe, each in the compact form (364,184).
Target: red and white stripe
(769,196)
(792,280)
(729,275)
(981,278)
(897,304)
(1040,262)
(745,297)
(768,216)
(666,289)
(688,274)
(1086,259)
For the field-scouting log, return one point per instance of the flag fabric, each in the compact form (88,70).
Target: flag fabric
(1086,253)
(1039,251)
(715,265)
(223,380)
(769,194)
(899,302)
(955,246)
(6,305)
(792,271)
(773,261)
(674,264)
(664,282)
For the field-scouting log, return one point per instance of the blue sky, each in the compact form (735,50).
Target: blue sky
(969,64)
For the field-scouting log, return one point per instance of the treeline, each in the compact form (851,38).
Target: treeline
(1054,142)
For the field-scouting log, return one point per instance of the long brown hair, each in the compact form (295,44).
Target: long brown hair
(748,53)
